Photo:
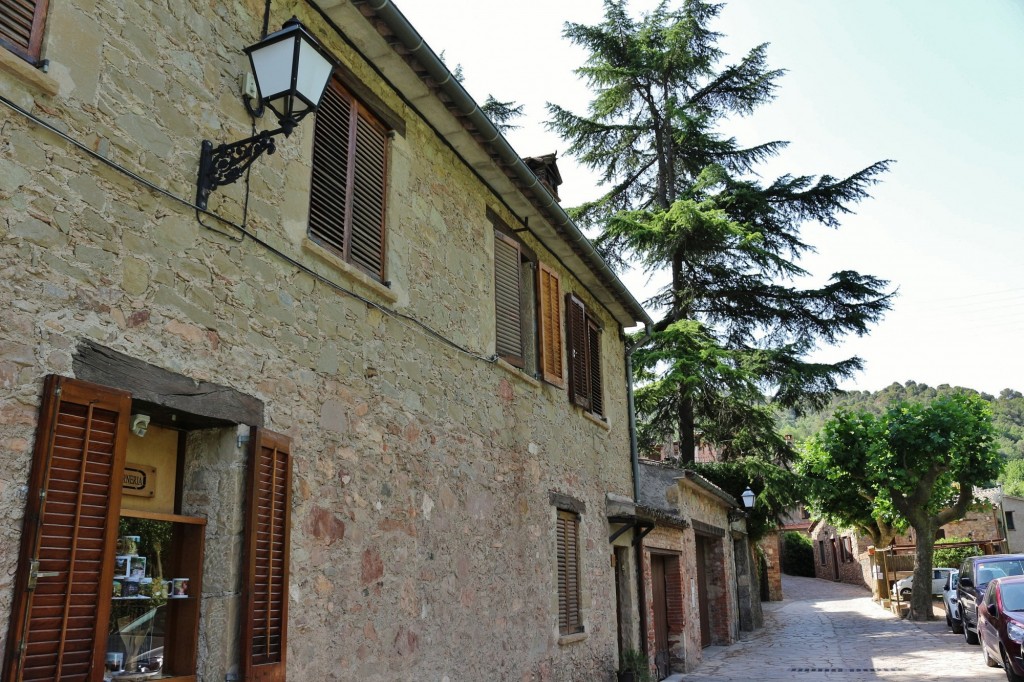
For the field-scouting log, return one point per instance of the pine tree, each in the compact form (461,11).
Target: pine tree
(735,330)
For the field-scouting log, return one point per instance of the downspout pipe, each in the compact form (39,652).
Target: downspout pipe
(634,457)
(466,106)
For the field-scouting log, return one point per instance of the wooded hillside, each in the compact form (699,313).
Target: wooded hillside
(1007,410)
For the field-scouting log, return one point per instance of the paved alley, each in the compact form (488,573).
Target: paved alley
(833,631)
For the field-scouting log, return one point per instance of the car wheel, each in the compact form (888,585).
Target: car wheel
(1010,675)
(969,637)
(958,626)
(989,661)
(949,621)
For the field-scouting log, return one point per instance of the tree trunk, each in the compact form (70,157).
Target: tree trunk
(924,552)
(687,440)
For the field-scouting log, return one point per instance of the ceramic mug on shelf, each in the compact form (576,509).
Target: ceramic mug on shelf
(179,588)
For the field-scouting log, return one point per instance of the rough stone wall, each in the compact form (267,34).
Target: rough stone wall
(423,541)
(771,549)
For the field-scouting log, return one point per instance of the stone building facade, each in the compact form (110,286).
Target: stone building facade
(699,582)
(430,507)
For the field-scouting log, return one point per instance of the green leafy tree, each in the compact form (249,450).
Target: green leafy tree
(953,557)
(685,198)
(797,554)
(924,459)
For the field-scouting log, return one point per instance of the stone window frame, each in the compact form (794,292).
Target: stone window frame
(28,42)
(569,562)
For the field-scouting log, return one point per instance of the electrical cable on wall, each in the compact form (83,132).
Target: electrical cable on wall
(408,320)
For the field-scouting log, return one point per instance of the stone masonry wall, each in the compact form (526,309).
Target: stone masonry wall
(423,542)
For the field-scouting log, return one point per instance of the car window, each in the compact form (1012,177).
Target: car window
(990,595)
(1012,596)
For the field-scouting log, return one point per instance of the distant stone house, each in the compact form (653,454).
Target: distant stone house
(696,564)
(842,555)
(367,413)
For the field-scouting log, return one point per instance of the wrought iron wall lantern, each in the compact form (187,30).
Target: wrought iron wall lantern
(291,71)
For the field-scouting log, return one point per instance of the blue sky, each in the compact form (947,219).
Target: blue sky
(936,85)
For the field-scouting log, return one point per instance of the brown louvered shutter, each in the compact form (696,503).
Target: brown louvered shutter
(569,619)
(58,625)
(347,189)
(21,27)
(507,307)
(577,350)
(549,294)
(267,531)
(366,243)
(329,195)
(594,367)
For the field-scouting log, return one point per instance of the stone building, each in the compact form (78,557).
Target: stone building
(365,413)
(699,587)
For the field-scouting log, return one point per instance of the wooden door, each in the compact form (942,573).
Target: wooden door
(63,590)
(660,605)
(702,592)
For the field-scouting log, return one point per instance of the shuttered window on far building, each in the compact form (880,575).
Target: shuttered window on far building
(550,323)
(21,27)
(508,310)
(583,350)
(348,186)
(570,620)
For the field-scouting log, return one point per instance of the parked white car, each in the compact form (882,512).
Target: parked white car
(939,576)
(950,603)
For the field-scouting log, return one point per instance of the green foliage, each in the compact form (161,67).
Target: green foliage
(953,557)
(683,197)
(797,554)
(635,662)
(776,488)
(918,460)
(1007,413)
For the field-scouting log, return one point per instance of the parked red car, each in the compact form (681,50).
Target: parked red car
(1001,626)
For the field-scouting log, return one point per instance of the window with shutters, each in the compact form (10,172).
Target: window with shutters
(111,570)
(570,619)
(348,186)
(515,301)
(21,27)
(549,322)
(583,349)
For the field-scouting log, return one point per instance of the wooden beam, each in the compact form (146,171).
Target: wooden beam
(199,403)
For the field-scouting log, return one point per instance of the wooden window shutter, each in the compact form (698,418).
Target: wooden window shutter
(550,322)
(577,351)
(507,307)
(63,590)
(594,367)
(329,185)
(348,188)
(21,27)
(267,531)
(366,244)
(569,618)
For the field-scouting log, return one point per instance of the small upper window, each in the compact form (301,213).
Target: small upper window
(21,27)
(348,188)
(1009,521)
(583,339)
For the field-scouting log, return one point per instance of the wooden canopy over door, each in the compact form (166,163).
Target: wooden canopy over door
(63,590)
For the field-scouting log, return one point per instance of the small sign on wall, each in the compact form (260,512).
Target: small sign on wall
(139,480)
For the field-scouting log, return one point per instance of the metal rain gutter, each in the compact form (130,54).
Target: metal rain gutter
(414,43)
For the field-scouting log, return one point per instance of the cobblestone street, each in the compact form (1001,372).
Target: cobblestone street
(833,631)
